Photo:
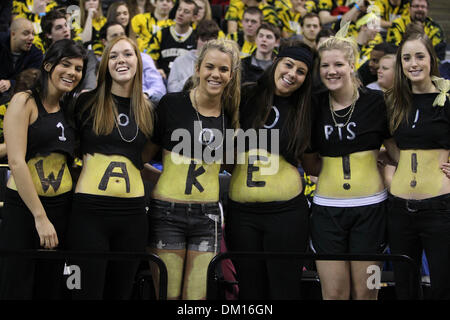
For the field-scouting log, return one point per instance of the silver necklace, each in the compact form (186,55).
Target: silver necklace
(203,141)
(120,133)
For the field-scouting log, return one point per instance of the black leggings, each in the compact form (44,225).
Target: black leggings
(22,278)
(284,229)
(412,227)
(100,223)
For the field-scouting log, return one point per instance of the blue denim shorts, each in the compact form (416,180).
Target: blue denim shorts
(179,226)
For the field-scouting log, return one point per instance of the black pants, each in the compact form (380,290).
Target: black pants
(104,224)
(22,278)
(412,227)
(282,228)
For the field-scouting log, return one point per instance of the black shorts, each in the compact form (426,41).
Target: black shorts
(354,230)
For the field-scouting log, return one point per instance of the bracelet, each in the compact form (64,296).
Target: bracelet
(357,7)
(339,17)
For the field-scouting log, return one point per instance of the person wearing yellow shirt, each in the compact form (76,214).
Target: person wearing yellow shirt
(251,21)
(147,24)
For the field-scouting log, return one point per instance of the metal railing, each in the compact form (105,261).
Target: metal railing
(212,278)
(42,254)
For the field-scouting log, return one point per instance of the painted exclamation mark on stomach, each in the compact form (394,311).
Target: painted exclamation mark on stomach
(413,182)
(346,169)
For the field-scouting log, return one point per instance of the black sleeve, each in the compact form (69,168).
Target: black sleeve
(160,122)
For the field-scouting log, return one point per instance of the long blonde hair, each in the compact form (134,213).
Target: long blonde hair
(231,96)
(104,111)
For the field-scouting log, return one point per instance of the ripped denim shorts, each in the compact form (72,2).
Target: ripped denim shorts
(179,226)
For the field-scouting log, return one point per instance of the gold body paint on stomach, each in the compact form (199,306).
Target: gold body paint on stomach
(110,175)
(418,175)
(50,175)
(187,180)
(265,179)
(360,179)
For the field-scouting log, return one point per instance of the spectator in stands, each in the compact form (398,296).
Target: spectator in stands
(183,66)
(335,12)
(115,122)
(292,18)
(204,11)
(251,21)
(419,200)
(311,27)
(17,53)
(40,144)
(33,11)
(367,35)
(235,14)
(152,82)
(174,41)
(267,210)
(418,14)
(147,24)
(92,21)
(389,10)
(139,6)
(368,71)
(185,220)
(119,12)
(267,39)
(349,207)
(385,74)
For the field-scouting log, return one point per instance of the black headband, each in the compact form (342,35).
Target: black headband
(297,53)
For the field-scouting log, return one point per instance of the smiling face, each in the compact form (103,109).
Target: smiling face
(418,10)
(122,15)
(122,63)
(416,62)
(66,75)
(289,76)
(335,70)
(214,72)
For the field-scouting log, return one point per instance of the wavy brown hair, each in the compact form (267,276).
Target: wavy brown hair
(399,99)
(104,111)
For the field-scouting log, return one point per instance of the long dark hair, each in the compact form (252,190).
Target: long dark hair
(59,50)
(399,98)
(260,97)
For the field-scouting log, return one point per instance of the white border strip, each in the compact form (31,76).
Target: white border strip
(350,202)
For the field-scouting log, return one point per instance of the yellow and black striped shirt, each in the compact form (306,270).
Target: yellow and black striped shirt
(432,30)
(329,5)
(291,21)
(364,50)
(145,25)
(236,10)
(388,12)
(23,9)
(246,47)
(2,116)
(96,42)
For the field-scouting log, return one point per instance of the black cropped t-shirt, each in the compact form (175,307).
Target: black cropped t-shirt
(113,143)
(428,126)
(175,127)
(365,130)
(51,132)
